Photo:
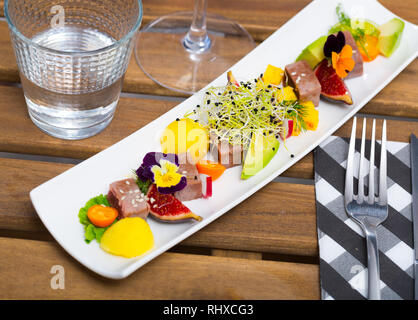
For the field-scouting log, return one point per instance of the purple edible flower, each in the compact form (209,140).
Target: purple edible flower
(334,44)
(151,159)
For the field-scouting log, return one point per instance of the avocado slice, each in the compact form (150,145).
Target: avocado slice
(390,36)
(314,53)
(260,151)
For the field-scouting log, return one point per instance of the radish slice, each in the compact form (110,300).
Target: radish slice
(288,125)
(231,79)
(206,185)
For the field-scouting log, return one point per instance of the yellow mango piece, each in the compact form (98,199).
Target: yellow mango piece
(273,75)
(183,136)
(311,117)
(286,94)
(129,237)
(296,130)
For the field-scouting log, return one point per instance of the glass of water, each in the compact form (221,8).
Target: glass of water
(72,56)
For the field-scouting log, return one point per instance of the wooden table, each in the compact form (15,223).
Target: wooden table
(265,248)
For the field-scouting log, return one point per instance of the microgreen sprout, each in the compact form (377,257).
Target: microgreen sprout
(234,113)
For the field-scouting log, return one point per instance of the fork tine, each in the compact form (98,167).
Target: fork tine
(350,162)
(361,174)
(371,168)
(383,197)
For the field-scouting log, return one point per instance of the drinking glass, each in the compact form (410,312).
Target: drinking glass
(72,57)
(184,51)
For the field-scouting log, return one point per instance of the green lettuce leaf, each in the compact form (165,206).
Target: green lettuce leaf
(91,231)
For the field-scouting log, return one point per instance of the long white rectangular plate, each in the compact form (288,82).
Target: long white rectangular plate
(57,201)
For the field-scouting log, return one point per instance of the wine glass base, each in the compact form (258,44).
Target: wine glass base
(162,55)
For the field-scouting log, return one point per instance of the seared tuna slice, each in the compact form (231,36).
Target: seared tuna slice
(300,76)
(358,67)
(125,196)
(229,155)
(193,189)
(225,153)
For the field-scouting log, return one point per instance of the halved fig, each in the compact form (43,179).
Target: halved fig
(332,86)
(167,208)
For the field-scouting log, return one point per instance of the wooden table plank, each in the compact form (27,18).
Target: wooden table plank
(26,264)
(261,18)
(278,219)
(18,134)
(265,15)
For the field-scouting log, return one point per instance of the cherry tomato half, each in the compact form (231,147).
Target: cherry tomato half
(102,216)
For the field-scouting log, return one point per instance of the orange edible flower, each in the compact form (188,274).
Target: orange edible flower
(343,62)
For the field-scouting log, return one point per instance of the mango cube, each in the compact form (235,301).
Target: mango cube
(286,94)
(273,75)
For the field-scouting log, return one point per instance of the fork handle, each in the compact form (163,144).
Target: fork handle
(373,262)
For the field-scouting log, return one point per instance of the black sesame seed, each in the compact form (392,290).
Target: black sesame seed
(274,148)
(269,86)
(198,106)
(177,119)
(292,155)
(208,101)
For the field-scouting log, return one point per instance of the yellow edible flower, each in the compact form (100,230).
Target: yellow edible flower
(166,175)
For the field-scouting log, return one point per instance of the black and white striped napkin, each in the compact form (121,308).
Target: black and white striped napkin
(342,246)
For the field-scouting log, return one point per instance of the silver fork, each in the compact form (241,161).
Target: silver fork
(369,212)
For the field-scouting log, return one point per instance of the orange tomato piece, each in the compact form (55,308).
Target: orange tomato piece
(102,216)
(371,46)
(213,169)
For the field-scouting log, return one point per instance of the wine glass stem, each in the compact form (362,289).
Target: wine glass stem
(197,39)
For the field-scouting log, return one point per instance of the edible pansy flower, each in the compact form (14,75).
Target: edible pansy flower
(166,177)
(334,44)
(343,62)
(151,159)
